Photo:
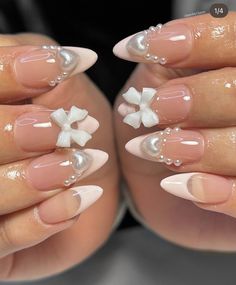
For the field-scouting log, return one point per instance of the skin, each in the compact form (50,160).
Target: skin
(18,230)
(180,221)
(198,226)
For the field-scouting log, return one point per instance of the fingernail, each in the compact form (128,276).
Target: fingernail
(45,129)
(63,167)
(161,44)
(153,107)
(45,66)
(68,204)
(199,187)
(171,146)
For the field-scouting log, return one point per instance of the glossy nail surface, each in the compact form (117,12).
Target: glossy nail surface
(63,167)
(161,44)
(68,204)
(40,131)
(45,66)
(171,146)
(199,187)
(152,107)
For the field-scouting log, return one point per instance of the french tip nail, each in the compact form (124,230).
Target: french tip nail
(99,158)
(133,146)
(88,195)
(120,49)
(86,58)
(177,185)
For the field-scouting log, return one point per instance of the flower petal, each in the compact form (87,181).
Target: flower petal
(64,139)
(59,117)
(134,119)
(76,114)
(132,96)
(149,118)
(147,95)
(80,137)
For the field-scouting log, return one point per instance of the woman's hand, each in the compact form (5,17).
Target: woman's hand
(196,88)
(40,233)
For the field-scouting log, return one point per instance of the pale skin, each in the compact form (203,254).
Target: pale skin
(188,224)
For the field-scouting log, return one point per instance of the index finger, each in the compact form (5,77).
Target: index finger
(196,42)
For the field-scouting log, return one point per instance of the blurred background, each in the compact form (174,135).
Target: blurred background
(133,254)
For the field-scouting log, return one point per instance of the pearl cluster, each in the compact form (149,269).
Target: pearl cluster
(149,56)
(68,61)
(80,162)
(153,145)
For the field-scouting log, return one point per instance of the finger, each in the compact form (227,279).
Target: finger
(29,70)
(200,42)
(207,191)
(194,101)
(30,129)
(28,182)
(204,150)
(32,226)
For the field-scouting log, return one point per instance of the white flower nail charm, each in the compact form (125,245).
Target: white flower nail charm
(68,134)
(145,114)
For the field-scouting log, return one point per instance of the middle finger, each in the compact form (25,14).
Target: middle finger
(27,182)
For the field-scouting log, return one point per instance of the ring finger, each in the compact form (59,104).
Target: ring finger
(27,182)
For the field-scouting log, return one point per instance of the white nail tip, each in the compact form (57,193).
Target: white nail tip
(88,195)
(120,49)
(178,185)
(133,146)
(99,158)
(86,58)
(68,134)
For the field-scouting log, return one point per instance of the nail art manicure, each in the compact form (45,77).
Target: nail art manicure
(199,187)
(68,204)
(161,44)
(46,129)
(63,168)
(153,107)
(171,146)
(46,66)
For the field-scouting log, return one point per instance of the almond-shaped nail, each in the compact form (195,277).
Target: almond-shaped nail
(46,66)
(68,204)
(160,44)
(63,167)
(152,107)
(171,146)
(45,129)
(199,187)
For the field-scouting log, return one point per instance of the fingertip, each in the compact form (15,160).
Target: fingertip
(86,58)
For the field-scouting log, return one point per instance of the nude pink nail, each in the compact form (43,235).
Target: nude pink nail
(45,66)
(171,146)
(36,131)
(161,44)
(63,167)
(199,187)
(152,107)
(172,104)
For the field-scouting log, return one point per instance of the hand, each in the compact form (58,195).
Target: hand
(195,81)
(40,232)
